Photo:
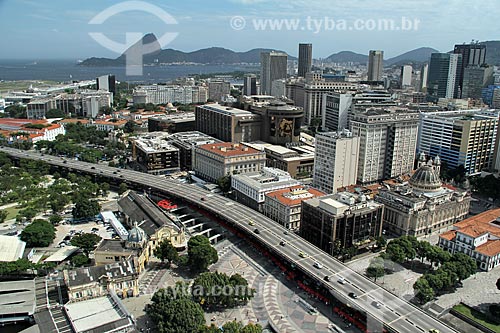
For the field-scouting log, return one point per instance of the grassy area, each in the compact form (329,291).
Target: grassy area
(477,316)
(12,213)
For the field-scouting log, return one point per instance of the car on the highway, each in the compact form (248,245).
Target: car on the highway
(341,280)
(433,330)
(251,222)
(282,243)
(353,295)
(202,199)
(285,232)
(376,304)
(302,254)
(318,265)
(326,278)
(257,231)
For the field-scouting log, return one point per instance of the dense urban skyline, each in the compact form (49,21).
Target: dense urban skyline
(60,29)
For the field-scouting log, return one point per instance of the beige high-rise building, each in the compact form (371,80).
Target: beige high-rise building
(387,145)
(375,65)
(335,160)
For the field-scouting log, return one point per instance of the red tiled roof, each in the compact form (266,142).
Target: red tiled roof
(227,149)
(291,199)
(490,248)
(483,218)
(449,235)
(474,230)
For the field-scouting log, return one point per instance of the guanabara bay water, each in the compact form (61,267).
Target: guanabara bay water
(67,70)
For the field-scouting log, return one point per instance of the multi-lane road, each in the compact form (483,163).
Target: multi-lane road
(395,313)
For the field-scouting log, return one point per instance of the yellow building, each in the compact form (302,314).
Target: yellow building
(120,278)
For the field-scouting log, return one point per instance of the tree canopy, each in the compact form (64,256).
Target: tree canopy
(201,253)
(39,233)
(214,289)
(166,252)
(79,260)
(85,208)
(87,242)
(173,311)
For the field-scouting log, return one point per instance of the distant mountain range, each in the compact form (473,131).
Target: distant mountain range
(416,56)
(213,55)
(219,55)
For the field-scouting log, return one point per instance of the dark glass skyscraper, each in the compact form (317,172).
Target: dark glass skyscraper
(473,54)
(442,79)
(305,59)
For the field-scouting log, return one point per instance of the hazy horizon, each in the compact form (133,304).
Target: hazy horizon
(60,29)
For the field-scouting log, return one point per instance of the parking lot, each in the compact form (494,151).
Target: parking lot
(66,231)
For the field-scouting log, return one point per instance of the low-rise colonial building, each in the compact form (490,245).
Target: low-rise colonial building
(120,278)
(477,237)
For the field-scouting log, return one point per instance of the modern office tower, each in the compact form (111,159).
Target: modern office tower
(442,80)
(472,54)
(305,59)
(460,138)
(475,79)
(337,107)
(335,160)
(250,85)
(422,205)
(348,218)
(406,73)
(218,89)
(273,66)
(387,145)
(424,74)
(309,93)
(107,83)
(375,65)
(228,124)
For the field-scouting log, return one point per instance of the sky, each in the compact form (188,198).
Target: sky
(59,29)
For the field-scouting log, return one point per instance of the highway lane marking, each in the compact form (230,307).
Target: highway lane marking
(402,317)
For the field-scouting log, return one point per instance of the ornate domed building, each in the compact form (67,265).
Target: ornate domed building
(423,205)
(137,238)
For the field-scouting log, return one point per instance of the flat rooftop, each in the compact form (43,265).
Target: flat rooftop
(62,254)
(228,149)
(11,248)
(226,110)
(94,313)
(17,297)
